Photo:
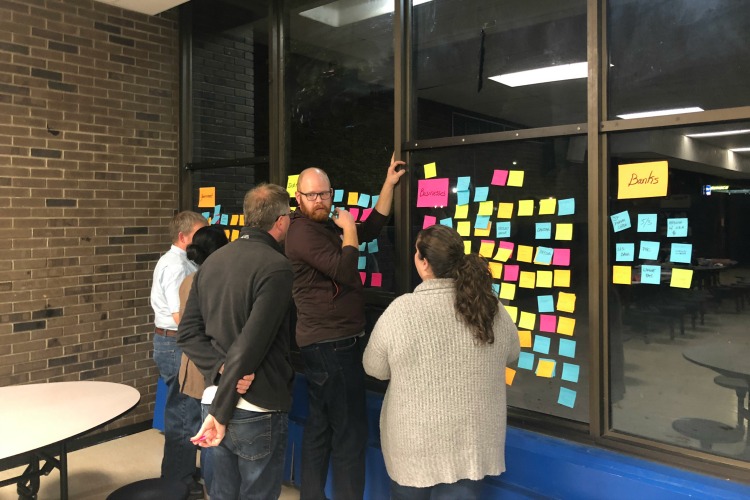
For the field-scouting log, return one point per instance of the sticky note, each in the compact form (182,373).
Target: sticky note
(681,278)
(567,348)
(642,180)
(561,257)
(235,220)
(564,231)
(504,210)
(515,178)
(431,192)
(495,286)
(291,185)
(566,302)
(482,221)
(430,170)
(467,247)
(648,250)
(624,252)
(365,214)
(480,193)
(446,222)
(543,230)
(545,368)
(650,275)
(677,228)
(372,246)
(546,303)
(207,216)
(362,276)
(486,248)
(485,208)
(511,273)
(353,198)
(355,212)
(570,372)
(482,232)
(224,219)
(526,361)
(527,280)
(525,253)
(510,374)
(462,211)
(547,206)
(681,253)
(235,235)
(547,323)
(544,255)
(562,278)
(217,210)
(525,208)
(504,251)
(565,325)
(544,279)
(338,196)
(566,206)
(541,344)
(502,229)
(499,177)
(364,200)
(620,221)
(376,279)
(524,337)
(362,262)
(429,220)
(228,233)
(463,197)
(374,201)
(462,183)
(527,320)
(242,220)
(512,312)
(621,275)
(646,223)
(496,270)
(567,397)
(507,291)
(464,228)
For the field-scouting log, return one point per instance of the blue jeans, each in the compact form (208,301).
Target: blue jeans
(249,461)
(182,414)
(465,489)
(336,427)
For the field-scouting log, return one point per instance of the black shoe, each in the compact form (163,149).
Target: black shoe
(195,491)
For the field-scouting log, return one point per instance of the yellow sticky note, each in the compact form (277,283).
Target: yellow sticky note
(462,212)
(642,180)
(486,248)
(496,269)
(524,336)
(291,185)
(235,235)
(547,206)
(527,279)
(467,247)
(562,278)
(503,254)
(565,326)
(527,321)
(242,220)
(485,208)
(352,199)
(512,312)
(566,302)
(227,233)
(508,291)
(504,210)
(430,170)
(464,228)
(515,178)
(564,231)
(524,253)
(206,197)
(235,220)
(546,368)
(525,207)
(544,279)
(621,275)
(510,374)
(482,232)
(681,278)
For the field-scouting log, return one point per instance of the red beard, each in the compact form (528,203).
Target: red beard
(318,213)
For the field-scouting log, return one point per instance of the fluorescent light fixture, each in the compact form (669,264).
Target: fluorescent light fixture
(543,75)
(719,134)
(662,112)
(740,150)
(343,12)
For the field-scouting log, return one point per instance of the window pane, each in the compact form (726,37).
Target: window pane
(534,196)
(460,45)
(679,283)
(668,55)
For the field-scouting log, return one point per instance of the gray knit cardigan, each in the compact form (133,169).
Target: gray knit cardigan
(444,412)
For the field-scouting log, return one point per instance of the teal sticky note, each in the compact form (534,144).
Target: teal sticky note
(463,198)
(677,228)
(374,201)
(570,372)
(463,183)
(649,250)
(546,303)
(646,223)
(624,252)
(620,221)
(480,193)
(567,348)
(651,275)
(681,252)
(543,230)
(447,222)
(362,263)
(526,361)
(482,221)
(224,219)
(566,206)
(502,229)
(567,397)
(362,246)
(496,288)
(372,246)
(338,195)
(217,210)
(544,255)
(541,344)
(364,200)
(206,215)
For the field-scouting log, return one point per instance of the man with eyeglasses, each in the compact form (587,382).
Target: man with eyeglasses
(324,250)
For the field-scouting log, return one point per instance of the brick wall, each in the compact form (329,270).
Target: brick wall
(88,183)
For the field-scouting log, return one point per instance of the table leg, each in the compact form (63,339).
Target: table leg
(63,471)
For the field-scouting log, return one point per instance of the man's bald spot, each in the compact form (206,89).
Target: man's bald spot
(309,172)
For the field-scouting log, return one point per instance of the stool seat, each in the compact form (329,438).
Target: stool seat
(152,489)
(707,432)
(731,383)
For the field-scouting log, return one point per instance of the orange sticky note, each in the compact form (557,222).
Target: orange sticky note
(527,279)
(510,374)
(565,326)
(681,278)
(242,220)
(227,233)
(527,320)
(235,235)
(621,275)
(206,197)
(562,278)
(496,269)
(546,368)
(504,210)
(642,180)
(352,199)
(483,232)
(508,291)
(544,279)
(524,337)
(566,302)
(525,253)
(525,207)
(235,220)
(547,206)
(564,231)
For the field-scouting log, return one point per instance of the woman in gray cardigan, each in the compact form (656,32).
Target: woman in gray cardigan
(444,348)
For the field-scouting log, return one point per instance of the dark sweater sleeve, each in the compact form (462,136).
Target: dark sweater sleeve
(308,244)
(371,228)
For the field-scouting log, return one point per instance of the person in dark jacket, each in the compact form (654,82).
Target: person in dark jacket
(237,315)
(330,323)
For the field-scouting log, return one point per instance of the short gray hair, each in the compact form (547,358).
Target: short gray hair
(184,222)
(264,204)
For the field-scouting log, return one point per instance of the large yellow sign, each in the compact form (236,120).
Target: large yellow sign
(642,180)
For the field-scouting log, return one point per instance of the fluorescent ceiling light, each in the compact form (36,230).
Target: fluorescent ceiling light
(543,75)
(740,150)
(718,134)
(343,12)
(663,112)
(150,7)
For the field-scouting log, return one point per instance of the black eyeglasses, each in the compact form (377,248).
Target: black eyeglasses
(322,195)
(282,215)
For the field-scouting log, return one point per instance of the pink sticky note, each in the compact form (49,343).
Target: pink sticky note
(547,322)
(507,244)
(561,257)
(499,178)
(429,221)
(432,193)
(365,214)
(376,280)
(510,273)
(354,212)
(362,276)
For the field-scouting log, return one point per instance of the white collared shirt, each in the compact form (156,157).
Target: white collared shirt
(171,269)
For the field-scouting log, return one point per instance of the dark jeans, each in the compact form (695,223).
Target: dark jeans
(182,414)
(249,462)
(336,427)
(465,489)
